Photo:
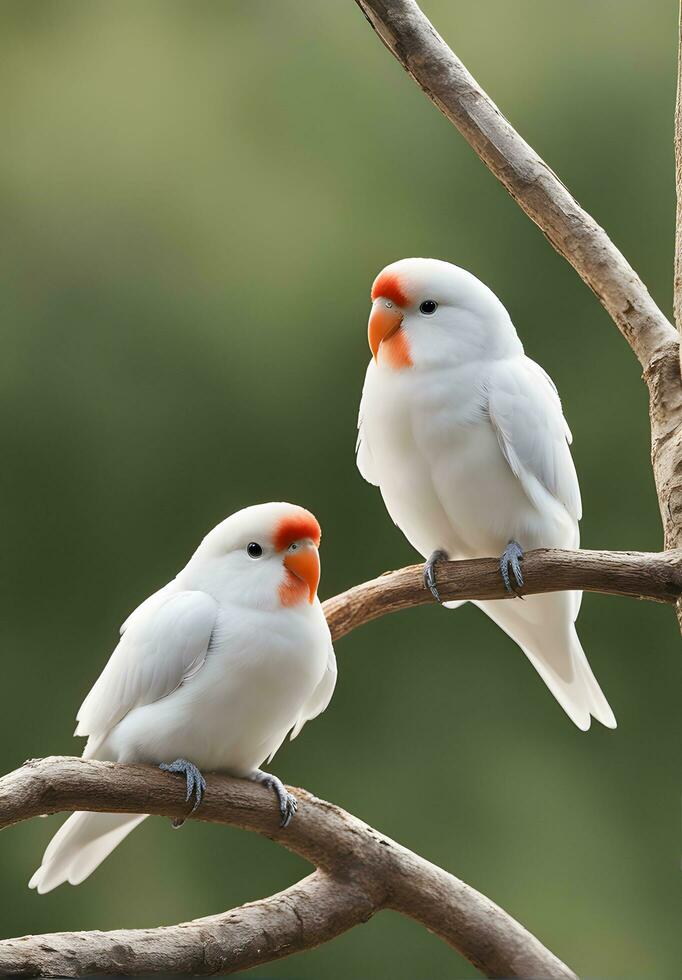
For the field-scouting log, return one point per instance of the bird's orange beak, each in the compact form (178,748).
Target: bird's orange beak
(384,321)
(304,563)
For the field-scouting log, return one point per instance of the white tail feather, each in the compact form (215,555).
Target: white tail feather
(80,845)
(599,706)
(543,627)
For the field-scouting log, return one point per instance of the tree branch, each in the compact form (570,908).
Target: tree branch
(628,573)
(311,912)
(359,872)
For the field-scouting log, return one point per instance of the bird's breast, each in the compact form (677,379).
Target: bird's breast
(438,461)
(260,669)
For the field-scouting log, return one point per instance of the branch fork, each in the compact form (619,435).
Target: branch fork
(359,872)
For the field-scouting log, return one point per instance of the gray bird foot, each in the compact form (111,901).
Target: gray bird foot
(512,556)
(196,784)
(430,571)
(288,804)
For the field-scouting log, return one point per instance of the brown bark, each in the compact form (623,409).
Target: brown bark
(359,872)
(309,913)
(664,382)
(628,573)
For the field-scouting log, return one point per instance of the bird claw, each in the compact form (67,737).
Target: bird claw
(287,802)
(512,556)
(430,571)
(196,784)
(287,809)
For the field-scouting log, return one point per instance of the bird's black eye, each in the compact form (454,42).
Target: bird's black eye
(428,307)
(254,550)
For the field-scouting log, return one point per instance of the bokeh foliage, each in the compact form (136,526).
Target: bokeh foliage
(194,199)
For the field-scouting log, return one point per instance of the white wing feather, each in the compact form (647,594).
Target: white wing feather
(321,696)
(526,413)
(149,604)
(165,642)
(364,458)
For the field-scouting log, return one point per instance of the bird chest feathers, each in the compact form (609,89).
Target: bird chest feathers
(251,645)
(417,415)
(438,460)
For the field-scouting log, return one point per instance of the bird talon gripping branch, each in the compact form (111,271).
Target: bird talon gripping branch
(512,556)
(196,784)
(430,571)
(287,802)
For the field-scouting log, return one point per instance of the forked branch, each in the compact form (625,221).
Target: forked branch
(359,872)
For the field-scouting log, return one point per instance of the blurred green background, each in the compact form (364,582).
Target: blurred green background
(194,199)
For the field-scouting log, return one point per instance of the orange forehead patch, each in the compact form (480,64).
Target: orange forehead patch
(387,284)
(300,524)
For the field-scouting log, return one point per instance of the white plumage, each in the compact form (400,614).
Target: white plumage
(216,668)
(466,439)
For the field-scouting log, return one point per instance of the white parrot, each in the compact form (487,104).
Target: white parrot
(465,437)
(211,673)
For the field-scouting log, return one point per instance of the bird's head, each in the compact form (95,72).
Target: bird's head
(426,312)
(264,556)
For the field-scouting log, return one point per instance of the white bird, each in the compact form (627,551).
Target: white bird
(211,673)
(466,439)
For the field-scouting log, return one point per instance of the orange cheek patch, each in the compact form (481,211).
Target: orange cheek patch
(292,590)
(396,350)
(387,284)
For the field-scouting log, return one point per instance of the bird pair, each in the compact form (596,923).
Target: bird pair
(466,440)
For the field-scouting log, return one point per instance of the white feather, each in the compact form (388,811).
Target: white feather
(364,457)
(526,414)
(80,845)
(321,696)
(164,643)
